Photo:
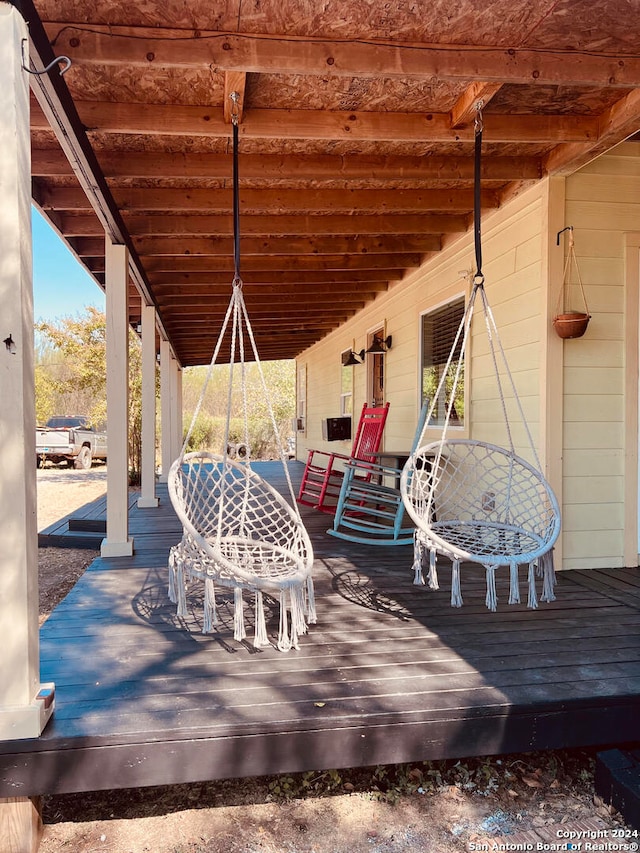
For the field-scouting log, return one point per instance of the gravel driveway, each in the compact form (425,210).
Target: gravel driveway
(63,490)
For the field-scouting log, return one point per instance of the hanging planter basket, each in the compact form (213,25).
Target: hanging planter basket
(570,323)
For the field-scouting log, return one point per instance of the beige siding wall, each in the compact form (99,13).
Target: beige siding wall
(602,203)
(512,251)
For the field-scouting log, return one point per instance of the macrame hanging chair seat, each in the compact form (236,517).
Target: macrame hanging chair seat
(239,532)
(474,501)
(481,503)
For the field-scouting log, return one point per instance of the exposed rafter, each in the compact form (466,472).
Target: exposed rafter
(265,53)
(356,155)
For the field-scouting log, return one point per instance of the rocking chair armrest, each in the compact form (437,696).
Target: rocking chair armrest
(373,468)
(329,453)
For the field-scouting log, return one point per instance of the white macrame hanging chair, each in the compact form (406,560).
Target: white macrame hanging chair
(473,501)
(238,531)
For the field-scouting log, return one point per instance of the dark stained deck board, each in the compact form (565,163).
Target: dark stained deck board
(390,672)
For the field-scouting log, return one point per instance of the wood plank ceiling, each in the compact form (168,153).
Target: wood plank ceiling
(356,139)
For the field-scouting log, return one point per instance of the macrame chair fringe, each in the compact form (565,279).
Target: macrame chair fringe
(456,590)
(514,587)
(296,601)
(491,599)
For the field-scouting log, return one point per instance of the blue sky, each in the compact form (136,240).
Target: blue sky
(61,287)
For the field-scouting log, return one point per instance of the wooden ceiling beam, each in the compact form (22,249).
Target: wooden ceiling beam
(329,245)
(185,304)
(276,225)
(183,120)
(276,201)
(616,124)
(295,317)
(316,167)
(294,263)
(465,109)
(317,293)
(374,279)
(258,53)
(234,86)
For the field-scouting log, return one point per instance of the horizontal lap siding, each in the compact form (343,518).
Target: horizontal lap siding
(512,247)
(602,202)
(512,263)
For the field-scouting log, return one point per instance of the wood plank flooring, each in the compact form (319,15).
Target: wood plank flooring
(390,672)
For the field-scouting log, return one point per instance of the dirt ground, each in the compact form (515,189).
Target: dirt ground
(444,807)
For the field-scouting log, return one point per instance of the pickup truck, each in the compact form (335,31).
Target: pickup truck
(70,439)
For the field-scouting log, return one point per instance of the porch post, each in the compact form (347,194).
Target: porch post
(552,351)
(176,409)
(117,542)
(165,409)
(25,704)
(148,467)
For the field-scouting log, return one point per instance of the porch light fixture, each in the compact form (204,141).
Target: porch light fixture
(10,344)
(380,344)
(354,358)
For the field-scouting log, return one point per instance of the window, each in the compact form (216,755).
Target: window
(301,399)
(346,385)
(439,330)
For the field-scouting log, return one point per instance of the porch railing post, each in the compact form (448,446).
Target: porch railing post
(148,462)
(117,542)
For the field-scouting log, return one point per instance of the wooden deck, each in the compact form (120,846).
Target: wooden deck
(390,673)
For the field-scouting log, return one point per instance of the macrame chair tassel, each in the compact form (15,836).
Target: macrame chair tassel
(433,571)
(210,612)
(311,602)
(545,565)
(491,599)
(298,625)
(456,590)
(514,588)
(260,639)
(172,591)
(180,589)
(284,643)
(418,552)
(239,632)
(532,600)
(298,609)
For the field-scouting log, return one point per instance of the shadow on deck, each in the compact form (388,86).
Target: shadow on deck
(390,673)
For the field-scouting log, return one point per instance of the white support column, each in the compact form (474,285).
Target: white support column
(165,408)
(176,409)
(25,704)
(117,542)
(148,465)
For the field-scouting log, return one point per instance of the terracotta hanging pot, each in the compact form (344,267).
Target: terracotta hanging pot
(570,323)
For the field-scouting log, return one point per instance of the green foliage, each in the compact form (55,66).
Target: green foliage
(255,428)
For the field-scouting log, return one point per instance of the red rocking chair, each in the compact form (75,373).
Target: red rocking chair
(322,477)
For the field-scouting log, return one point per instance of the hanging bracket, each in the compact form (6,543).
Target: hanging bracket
(61,59)
(568,228)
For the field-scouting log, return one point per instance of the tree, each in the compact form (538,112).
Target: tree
(71,375)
